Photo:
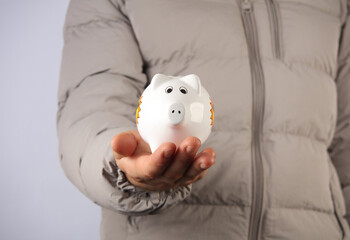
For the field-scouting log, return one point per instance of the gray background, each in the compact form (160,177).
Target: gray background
(36,199)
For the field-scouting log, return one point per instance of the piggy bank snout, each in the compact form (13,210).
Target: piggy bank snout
(176,113)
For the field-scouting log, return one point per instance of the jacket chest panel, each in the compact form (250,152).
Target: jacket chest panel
(310,36)
(300,101)
(175,30)
(167,31)
(207,38)
(304,32)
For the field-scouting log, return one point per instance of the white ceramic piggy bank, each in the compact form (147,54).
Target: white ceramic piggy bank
(173,108)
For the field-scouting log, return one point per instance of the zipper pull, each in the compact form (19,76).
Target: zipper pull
(246,6)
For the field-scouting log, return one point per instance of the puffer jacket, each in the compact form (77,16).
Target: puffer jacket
(278,72)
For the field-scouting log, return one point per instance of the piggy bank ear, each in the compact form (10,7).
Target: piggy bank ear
(157,80)
(193,81)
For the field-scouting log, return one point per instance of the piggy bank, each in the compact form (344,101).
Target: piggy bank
(172,108)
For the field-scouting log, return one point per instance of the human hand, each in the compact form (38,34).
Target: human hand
(167,167)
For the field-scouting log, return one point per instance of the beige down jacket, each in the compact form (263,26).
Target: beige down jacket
(278,72)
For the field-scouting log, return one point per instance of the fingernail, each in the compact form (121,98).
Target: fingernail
(168,153)
(202,165)
(189,149)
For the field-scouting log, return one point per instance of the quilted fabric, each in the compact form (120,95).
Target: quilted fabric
(302,50)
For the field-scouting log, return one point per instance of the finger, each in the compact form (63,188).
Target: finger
(184,157)
(202,162)
(200,176)
(146,166)
(187,181)
(123,145)
(156,163)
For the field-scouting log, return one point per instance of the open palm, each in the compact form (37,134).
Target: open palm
(167,167)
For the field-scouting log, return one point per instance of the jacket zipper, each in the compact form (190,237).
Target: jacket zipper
(258,94)
(275,28)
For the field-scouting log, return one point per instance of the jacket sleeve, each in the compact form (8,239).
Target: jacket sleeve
(101,80)
(340,147)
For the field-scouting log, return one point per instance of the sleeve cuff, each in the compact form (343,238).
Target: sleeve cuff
(137,201)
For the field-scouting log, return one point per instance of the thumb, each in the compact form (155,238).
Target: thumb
(124,145)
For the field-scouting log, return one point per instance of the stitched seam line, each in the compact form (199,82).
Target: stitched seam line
(215,205)
(307,65)
(289,65)
(332,13)
(70,28)
(329,212)
(239,58)
(273,208)
(294,134)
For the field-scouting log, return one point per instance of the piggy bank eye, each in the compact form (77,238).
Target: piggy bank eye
(169,89)
(183,90)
